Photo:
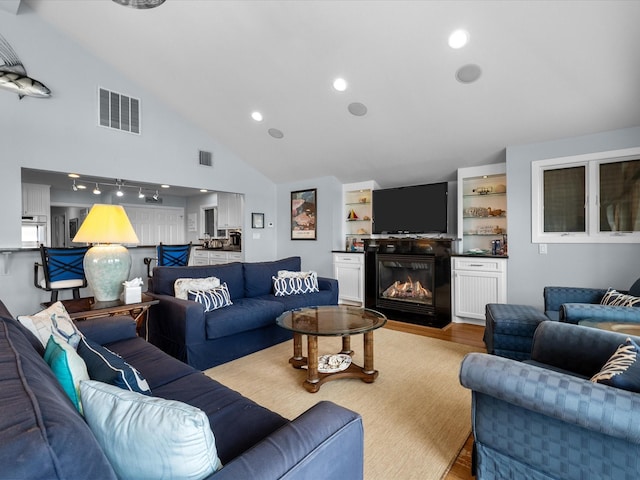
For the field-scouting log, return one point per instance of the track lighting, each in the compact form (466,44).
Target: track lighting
(74,187)
(140,194)
(119,193)
(96,191)
(155,195)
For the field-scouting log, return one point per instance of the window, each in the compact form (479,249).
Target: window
(593,198)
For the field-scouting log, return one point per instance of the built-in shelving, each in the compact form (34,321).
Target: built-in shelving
(358,213)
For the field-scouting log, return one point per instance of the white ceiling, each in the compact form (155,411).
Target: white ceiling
(550,69)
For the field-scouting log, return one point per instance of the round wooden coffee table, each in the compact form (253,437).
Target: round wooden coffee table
(332,321)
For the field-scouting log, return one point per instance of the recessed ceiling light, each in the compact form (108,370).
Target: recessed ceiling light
(340,84)
(257,116)
(73,175)
(81,187)
(204,190)
(458,39)
(165,186)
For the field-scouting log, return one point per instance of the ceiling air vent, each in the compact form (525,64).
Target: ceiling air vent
(118,111)
(206,158)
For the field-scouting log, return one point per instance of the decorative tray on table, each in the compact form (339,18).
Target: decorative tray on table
(333,363)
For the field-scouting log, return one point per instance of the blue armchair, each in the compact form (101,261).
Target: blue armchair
(574,304)
(544,419)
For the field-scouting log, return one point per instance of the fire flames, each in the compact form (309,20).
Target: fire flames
(407,290)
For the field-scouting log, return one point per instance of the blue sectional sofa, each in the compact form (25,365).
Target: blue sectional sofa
(203,340)
(42,435)
(544,419)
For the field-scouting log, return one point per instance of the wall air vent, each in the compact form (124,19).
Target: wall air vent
(206,158)
(118,111)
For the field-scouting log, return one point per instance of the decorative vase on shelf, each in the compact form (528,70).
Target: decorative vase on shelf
(352,215)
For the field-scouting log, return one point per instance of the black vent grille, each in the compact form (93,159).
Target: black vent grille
(205,158)
(118,111)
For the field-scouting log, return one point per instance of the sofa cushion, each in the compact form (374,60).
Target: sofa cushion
(164,277)
(613,297)
(212,299)
(238,422)
(289,302)
(67,366)
(257,276)
(43,436)
(182,286)
(147,437)
(108,367)
(622,370)
(53,320)
(245,314)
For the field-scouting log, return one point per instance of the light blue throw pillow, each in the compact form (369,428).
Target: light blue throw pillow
(149,437)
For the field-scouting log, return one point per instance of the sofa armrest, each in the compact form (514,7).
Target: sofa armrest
(181,320)
(554,297)
(327,441)
(331,284)
(568,399)
(103,330)
(576,312)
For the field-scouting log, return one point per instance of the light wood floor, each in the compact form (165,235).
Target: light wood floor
(460,333)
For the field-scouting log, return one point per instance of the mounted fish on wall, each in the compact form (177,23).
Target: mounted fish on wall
(13,75)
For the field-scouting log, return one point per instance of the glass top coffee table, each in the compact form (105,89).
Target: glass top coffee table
(332,321)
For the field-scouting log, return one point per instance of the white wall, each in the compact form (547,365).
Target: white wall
(584,265)
(61,134)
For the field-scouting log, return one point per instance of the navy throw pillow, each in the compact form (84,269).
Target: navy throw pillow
(622,370)
(106,366)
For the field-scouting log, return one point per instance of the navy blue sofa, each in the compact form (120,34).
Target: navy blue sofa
(544,419)
(42,435)
(203,340)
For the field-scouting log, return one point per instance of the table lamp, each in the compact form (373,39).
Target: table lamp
(107,263)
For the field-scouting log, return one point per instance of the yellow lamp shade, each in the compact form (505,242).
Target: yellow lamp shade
(106,224)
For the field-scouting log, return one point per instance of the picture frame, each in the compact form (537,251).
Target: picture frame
(304,224)
(257,220)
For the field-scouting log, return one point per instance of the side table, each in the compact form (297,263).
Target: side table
(88,307)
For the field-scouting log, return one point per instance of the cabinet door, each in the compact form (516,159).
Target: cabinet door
(349,271)
(474,289)
(223,210)
(36,199)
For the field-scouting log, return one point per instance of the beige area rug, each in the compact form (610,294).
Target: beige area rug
(416,415)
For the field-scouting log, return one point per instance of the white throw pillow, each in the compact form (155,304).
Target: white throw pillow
(294,283)
(182,286)
(213,299)
(149,437)
(52,321)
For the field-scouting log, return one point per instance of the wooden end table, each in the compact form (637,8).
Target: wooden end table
(88,307)
(332,320)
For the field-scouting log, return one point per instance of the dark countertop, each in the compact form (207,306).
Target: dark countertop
(345,251)
(479,255)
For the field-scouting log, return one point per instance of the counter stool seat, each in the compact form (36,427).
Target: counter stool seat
(509,329)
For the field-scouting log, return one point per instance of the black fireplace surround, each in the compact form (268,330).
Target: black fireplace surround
(409,279)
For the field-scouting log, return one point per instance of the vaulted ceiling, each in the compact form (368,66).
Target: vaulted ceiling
(549,69)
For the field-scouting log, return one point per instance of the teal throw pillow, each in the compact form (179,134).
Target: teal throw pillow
(109,367)
(149,437)
(622,370)
(67,366)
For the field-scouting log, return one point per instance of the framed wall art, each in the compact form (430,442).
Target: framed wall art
(257,220)
(304,215)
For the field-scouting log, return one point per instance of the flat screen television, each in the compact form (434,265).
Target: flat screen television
(414,209)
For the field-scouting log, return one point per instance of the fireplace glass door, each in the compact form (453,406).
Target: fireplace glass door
(405,278)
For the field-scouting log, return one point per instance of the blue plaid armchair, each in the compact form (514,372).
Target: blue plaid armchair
(544,419)
(574,304)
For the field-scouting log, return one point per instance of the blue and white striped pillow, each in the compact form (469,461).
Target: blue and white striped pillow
(213,298)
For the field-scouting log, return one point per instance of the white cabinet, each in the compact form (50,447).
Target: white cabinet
(36,199)
(477,281)
(214,257)
(348,269)
(230,210)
